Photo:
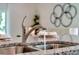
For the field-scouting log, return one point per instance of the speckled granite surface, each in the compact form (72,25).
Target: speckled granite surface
(9,43)
(72,50)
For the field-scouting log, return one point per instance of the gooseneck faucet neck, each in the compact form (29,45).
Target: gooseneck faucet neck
(24,34)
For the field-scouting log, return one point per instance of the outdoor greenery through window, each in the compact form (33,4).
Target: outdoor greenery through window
(2,22)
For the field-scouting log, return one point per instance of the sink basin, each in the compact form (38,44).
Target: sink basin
(49,46)
(53,45)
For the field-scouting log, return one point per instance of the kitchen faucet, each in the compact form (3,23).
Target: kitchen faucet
(24,34)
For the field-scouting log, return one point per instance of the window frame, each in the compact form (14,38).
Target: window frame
(4,9)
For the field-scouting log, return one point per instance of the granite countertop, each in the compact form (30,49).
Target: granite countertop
(40,52)
(8,43)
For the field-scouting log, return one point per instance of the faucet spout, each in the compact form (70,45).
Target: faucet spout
(25,35)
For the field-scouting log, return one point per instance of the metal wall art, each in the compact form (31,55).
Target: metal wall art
(68,10)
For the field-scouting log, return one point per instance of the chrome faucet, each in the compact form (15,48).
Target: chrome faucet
(24,34)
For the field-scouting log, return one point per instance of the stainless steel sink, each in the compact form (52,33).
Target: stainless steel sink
(50,46)
(53,45)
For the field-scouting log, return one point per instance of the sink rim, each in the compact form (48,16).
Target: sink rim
(66,44)
(54,42)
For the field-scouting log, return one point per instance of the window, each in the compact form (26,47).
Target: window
(2,22)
